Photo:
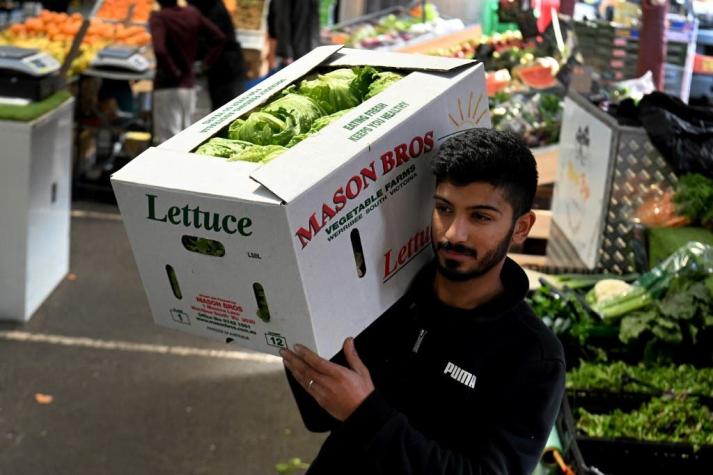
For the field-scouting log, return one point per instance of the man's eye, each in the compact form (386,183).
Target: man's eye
(482,218)
(442,208)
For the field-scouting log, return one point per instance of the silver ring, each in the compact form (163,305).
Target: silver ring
(309,384)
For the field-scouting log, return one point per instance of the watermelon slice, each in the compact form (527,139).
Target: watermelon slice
(539,75)
(497,81)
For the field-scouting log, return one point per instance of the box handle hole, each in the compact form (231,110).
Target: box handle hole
(173,280)
(262,309)
(358,253)
(207,247)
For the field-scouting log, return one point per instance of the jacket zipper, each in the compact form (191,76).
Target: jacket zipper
(419,340)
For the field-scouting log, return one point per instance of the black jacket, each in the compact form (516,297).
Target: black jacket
(295,25)
(230,64)
(457,391)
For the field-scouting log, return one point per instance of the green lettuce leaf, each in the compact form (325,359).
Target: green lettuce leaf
(332,91)
(259,153)
(382,81)
(302,109)
(262,128)
(277,122)
(318,125)
(220,147)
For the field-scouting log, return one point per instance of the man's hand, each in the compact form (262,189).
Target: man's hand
(337,389)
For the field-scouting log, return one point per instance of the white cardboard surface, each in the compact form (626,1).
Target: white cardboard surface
(371,178)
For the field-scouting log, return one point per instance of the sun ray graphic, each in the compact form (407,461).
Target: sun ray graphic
(470,117)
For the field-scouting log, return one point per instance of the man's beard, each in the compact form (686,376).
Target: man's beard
(449,269)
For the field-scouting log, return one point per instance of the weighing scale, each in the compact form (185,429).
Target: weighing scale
(27,73)
(121,59)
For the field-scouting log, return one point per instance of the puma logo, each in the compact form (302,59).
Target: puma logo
(460,375)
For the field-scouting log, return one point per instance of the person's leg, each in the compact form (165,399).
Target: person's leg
(188,104)
(167,114)
(223,91)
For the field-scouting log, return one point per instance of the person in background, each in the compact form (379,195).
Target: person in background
(175,32)
(226,78)
(459,376)
(294,26)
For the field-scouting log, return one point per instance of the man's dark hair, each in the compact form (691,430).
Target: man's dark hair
(500,159)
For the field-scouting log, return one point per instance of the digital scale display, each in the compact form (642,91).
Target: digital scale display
(28,61)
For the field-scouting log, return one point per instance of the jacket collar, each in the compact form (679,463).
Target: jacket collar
(513,278)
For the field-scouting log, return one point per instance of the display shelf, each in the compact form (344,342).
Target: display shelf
(471,33)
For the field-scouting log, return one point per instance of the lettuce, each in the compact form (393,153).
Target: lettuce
(262,128)
(278,121)
(318,125)
(298,112)
(382,81)
(220,147)
(302,109)
(332,91)
(259,153)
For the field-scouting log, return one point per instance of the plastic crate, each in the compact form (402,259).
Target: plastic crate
(602,400)
(629,456)
(625,457)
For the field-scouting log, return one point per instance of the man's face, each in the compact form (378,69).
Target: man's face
(472,228)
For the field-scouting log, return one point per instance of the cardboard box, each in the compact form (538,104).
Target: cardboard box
(329,234)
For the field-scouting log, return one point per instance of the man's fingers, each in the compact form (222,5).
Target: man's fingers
(299,369)
(320,365)
(353,359)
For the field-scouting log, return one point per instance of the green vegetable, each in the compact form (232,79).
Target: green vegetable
(220,147)
(382,81)
(563,313)
(259,153)
(663,419)
(628,302)
(205,246)
(332,91)
(262,128)
(318,125)
(298,112)
(694,198)
(583,281)
(684,310)
(619,376)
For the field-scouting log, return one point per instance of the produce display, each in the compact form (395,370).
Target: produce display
(480,47)
(688,204)
(299,111)
(662,419)
(536,118)
(126,10)
(391,31)
(665,311)
(619,376)
(53,33)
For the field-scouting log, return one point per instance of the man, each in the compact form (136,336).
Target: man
(175,31)
(459,376)
(226,78)
(293,25)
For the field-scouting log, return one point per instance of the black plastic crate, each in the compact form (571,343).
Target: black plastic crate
(626,457)
(602,400)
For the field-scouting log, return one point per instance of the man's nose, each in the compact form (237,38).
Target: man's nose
(457,231)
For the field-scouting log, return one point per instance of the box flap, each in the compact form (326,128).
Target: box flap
(302,166)
(358,57)
(202,130)
(166,169)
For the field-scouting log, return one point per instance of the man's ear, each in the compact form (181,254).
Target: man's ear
(522,227)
